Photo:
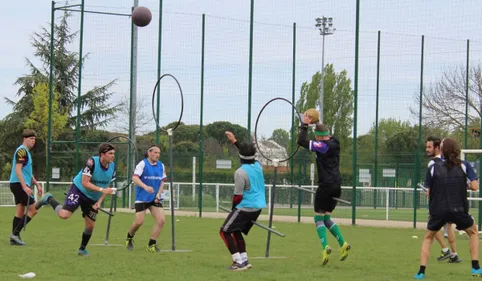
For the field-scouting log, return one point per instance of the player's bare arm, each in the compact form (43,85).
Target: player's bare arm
(18,172)
(142,185)
(92,187)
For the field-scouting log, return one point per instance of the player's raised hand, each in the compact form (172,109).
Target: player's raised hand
(230,136)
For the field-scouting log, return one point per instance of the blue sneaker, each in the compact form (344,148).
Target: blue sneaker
(419,276)
(477,272)
(43,201)
(83,253)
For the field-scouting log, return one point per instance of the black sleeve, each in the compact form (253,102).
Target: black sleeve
(89,168)
(303,136)
(21,157)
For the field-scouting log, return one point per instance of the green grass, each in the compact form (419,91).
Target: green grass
(377,254)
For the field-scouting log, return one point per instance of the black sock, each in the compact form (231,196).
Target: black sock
(152,242)
(21,224)
(475,264)
(53,203)
(421,270)
(15,221)
(85,239)
(129,236)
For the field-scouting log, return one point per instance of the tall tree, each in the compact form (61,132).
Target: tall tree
(444,101)
(337,100)
(281,137)
(94,107)
(38,118)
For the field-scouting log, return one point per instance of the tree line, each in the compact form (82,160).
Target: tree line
(443,115)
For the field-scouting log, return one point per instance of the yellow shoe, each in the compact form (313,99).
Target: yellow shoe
(344,251)
(326,253)
(153,249)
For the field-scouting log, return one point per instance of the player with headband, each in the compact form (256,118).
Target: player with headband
(327,149)
(248,200)
(149,177)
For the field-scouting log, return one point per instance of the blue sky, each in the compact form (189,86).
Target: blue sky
(445,25)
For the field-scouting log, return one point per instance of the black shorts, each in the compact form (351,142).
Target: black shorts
(19,195)
(142,206)
(239,220)
(76,198)
(461,220)
(324,201)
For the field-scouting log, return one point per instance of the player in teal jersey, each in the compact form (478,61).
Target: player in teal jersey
(88,190)
(248,200)
(21,181)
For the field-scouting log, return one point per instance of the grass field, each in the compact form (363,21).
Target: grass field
(51,253)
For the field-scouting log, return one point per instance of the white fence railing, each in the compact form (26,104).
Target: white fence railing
(216,194)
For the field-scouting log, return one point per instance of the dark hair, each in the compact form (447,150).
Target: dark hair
(247,150)
(105,147)
(451,152)
(146,154)
(27,133)
(435,140)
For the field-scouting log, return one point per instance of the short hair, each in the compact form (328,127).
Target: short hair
(105,147)
(435,140)
(247,152)
(27,133)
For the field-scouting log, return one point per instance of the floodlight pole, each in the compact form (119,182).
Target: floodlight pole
(325,25)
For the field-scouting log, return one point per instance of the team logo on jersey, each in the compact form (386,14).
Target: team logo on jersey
(317,144)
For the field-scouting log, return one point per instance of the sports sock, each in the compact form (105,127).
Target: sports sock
(129,236)
(20,225)
(244,256)
(445,250)
(475,264)
(53,203)
(334,229)
(237,258)
(321,230)
(15,221)
(152,242)
(85,238)
(422,269)
(453,255)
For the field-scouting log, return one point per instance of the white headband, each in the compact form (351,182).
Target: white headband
(247,157)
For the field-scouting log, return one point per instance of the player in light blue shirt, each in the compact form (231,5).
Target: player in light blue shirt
(88,190)
(149,177)
(21,181)
(248,200)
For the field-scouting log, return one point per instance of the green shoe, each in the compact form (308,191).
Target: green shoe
(344,251)
(83,253)
(130,244)
(153,249)
(326,253)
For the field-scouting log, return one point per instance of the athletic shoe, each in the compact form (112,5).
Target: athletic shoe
(12,242)
(43,201)
(83,253)
(130,244)
(153,248)
(237,266)
(455,259)
(444,255)
(248,265)
(477,272)
(16,239)
(344,251)
(326,253)
(419,276)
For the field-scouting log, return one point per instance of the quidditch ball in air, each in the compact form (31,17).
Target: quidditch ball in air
(314,115)
(141,16)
